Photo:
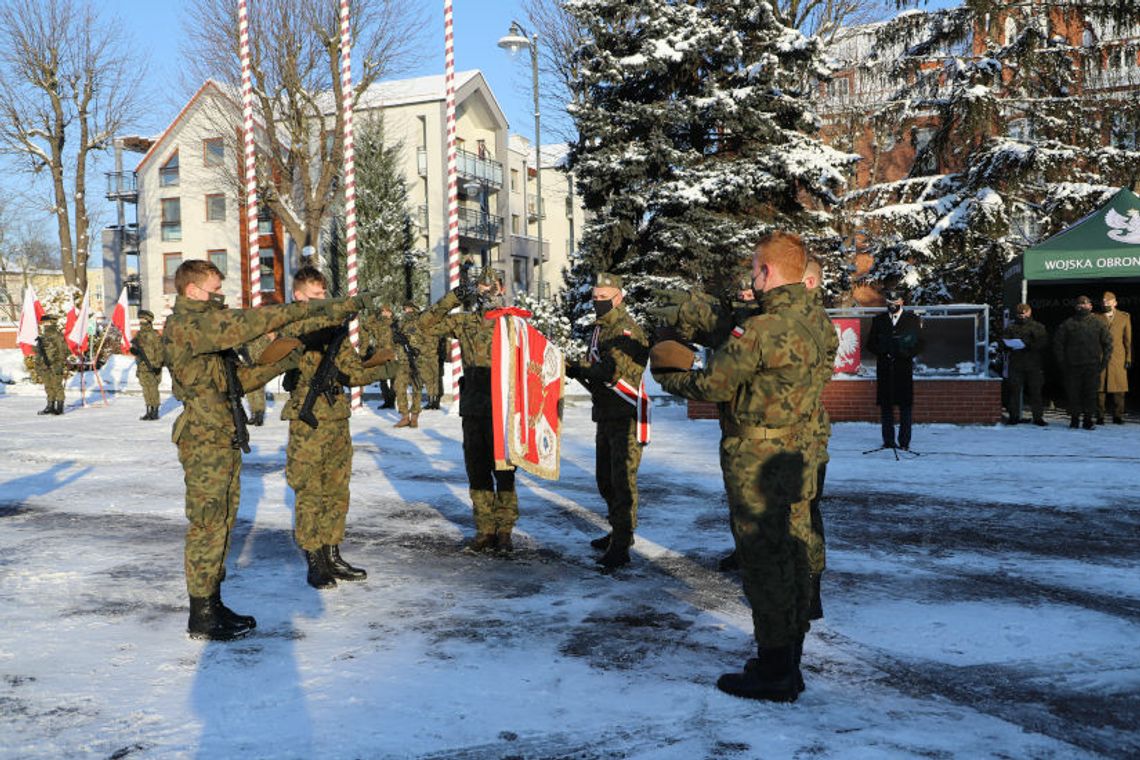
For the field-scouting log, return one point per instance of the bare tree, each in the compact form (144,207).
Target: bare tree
(68,86)
(559,36)
(295,56)
(823,18)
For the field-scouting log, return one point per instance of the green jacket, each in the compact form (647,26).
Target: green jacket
(766,369)
(194,336)
(1081,340)
(348,365)
(618,350)
(149,342)
(1032,333)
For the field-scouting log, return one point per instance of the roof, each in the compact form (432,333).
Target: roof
(1103,245)
(400,92)
(208,86)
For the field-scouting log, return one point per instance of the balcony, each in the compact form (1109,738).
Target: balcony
(122,186)
(477,225)
(525,245)
(535,207)
(483,170)
(128,237)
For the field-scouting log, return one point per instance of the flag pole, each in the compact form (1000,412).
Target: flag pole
(251,226)
(95,364)
(455,354)
(349,179)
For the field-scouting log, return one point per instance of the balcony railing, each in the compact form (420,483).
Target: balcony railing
(535,207)
(471,167)
(477,225)
(122,186)
(525,245)
(128,237)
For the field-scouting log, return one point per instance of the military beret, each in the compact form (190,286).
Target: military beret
(670,356)
(144,314)
(607,280)
(48,318)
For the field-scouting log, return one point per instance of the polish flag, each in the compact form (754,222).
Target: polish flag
(76,328)
(29,328)
(119,320)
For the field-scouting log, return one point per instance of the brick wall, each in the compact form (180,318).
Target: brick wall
(976,402)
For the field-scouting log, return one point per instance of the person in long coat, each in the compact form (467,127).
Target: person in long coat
(1114,378)
(895,339)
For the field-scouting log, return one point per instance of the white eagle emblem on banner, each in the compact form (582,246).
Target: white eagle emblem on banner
(1125,229)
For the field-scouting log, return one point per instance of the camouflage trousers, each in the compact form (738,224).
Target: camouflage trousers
(765,486)
(318,465)
(149,382)
(408,394)
(53,385)
(430,374)
(493,511)
(807,528)
(212,472)
(617,455)
(256,401)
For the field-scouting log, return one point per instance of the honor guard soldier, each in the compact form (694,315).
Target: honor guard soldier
(612,372)
(1083,349)
(147,349)
(409,383)
(51,363)
(765,372)
(493,499)
(198,341)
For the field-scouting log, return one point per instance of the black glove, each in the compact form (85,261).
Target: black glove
(574,371)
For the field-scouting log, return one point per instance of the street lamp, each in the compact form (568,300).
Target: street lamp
(516,40)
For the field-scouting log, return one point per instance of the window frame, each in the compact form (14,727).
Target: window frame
(168,287)
(219,160)
(212,252)
(211,196)
(171,230)
(164,171)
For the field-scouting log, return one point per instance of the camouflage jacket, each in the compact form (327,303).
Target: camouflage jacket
(618,350)
(709,322)
(149,342)
(475,334)
(347,364)
(194,336)
(766,368)
(1081,340)
(54,348)
(376,335)
(817,430)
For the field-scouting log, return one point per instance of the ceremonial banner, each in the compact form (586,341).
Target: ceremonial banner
(526,395)
(847,358)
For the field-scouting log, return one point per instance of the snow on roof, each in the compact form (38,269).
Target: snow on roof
(398,92)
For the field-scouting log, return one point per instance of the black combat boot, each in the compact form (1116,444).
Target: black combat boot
(208,622)
(341,570)
(484,542)
(229,615)
(503,541)
(1088,424)
(1117,419)
(49,409)
(257,419)
(1100,419)
(815,607)
(154,412)
(601,543)
(729,563)
(320,574)
(58,407)
(1040,422)
(433,402)
(617,553)
(1074,422)
(772,676)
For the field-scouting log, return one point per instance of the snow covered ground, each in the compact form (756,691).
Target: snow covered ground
(981,600)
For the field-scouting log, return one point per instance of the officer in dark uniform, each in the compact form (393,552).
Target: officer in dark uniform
(1026,364)
(895,339)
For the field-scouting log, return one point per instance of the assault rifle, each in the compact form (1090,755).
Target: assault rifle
(466,289)
(42,353)
(141,356)
(234,394)
(326,380)
(413,353)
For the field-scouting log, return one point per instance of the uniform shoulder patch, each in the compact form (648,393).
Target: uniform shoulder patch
(737,331)
(627,333)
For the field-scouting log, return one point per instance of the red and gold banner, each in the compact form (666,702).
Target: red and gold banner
(526,395)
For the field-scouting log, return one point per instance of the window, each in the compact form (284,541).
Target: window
(514,180)
(168,173)
(1010,30)
(518,274)
(838,88)
(264,221)
(1088,39)
(170,264)
(216,208)
(925,160)
(514,224)
(213,151)
(268,284)
(218,259)
(171,220)
(1124,132)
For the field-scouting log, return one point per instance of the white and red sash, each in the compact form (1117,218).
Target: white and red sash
(526,391)
(636,396)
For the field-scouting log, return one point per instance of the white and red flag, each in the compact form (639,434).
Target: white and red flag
(75,330)
(119,320)
(29,328)
(526,395)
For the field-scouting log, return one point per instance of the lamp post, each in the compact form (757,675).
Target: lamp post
(516,40)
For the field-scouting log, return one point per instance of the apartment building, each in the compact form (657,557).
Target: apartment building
(184,199)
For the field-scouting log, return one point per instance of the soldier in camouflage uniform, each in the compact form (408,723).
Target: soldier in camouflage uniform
(51,363)
(195,341)
(612,370)
(493,499)
(318,460)
(256,397)
(1083,348)
(147,349)
(429,366)
(409,382)
(376,336)
(766,373)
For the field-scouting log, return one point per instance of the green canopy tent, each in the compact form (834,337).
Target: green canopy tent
(1097,253)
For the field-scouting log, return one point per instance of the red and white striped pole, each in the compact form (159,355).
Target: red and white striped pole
(452,181)
(250,158)
(349,177)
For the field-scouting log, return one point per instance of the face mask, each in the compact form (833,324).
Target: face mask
(1084,309)
(217,300)
(602,308)
(894,308)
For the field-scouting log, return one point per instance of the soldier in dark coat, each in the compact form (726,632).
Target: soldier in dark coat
(612,370)
(1083,349)
(895,339)
(1026,364)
